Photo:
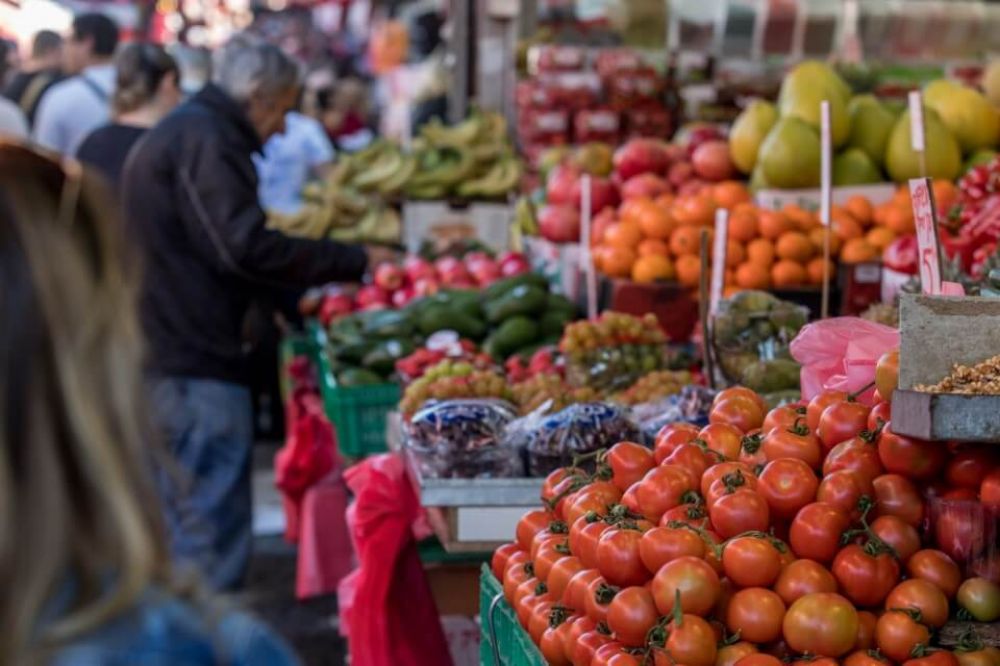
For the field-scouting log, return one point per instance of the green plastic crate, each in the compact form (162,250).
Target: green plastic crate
(500,628)
(357,412)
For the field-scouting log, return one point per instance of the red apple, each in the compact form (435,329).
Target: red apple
(693,186)
(646,186)
(711,161)
(425,287)
(451,270)
(389,276)
(401,297)
(680,173)
(603,194)
(513,263)
(676,152)
(562,187)
(485,272)
(559,224)
(640,156)
(692,135)
(372,294)
(417,268)
(335,304)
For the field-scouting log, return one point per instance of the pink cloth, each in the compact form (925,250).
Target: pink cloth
(840,354)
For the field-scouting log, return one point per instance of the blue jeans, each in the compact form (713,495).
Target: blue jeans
(205,485)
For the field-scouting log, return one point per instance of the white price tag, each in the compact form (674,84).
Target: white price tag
(718,259)
(927,235)
(826,163)
(917,141)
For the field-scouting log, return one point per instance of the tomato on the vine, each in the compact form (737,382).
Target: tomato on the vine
(903,537)
(692,457)
(598,599)
(664,544)
(751,561)
(719,470)
(691,641)
(787,484)
(866,630)
(729,654)
(728,484)
(896,495)
(989,656)
(538,619)
(821,624)
(844,490)
(879,416)
(796,441)
(967,467)
(741,391)
(529,525)
(670,437)
(898,634)
(618,557)
(913,458)
(560,574)
(816,531)
(755,614)
(751,452)
(548,554)
(841,421)
(631,615)
(696,580)
(921,595)
(529,594)
(579,624)
(578,587)
(862,658)
(723,441)
(629,462)
(738,512)
(759,659)
(552,647)
(803,577)
(784,416)
(584,534)
(596,497)
(981,598)
(814,410)
(498,563)
(742,412)
(587,645)
(934,658)
(865,578)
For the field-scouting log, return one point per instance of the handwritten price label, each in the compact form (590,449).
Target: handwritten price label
(927,236)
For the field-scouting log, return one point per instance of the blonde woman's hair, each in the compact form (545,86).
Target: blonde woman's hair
(140,68)
(76,509)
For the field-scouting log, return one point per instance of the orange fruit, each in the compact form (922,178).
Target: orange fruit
(760,251)
(880,237)
(799,216)
(655,222)
(788,273)
(735,253)
(794,245)
(816,238)
(665,200)
(652,268)
(693,210)
(631,209)
(685,240)
(750,275)
(899,218)
(745,207)
(743,225)
(845,226)
(688,269)
(730,193)
(860,209)
(773,223)
(653,246)
(625,235)
(901,195)
(814,270)
(617,261)
(730,290)
(730,277)
(945,194)
(857,250)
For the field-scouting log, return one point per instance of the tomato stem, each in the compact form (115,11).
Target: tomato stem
(852,397)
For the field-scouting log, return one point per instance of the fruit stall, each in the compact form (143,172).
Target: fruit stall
(692,349)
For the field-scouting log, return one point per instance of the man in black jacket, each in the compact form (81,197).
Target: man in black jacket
(190,194)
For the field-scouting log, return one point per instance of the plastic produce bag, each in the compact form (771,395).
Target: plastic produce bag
(387,610)
(691,405)
(463,439)
(840,354)
(325,555)
(577,430)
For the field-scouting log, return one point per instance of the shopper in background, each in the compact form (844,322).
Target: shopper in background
(42,70)
(190,192)
(289,160)
(73,108)
(12,121)
(195,66)
(84,567)
(146,90)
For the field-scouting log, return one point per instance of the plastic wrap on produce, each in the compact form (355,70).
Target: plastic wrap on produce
(691,405)
(578,430)
(463,439)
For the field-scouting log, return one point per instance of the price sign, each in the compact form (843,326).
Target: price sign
(718,259)
(917,140)
(929,248)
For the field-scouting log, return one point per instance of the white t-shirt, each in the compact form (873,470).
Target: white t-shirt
(288,161)
(12,120)
(72,109)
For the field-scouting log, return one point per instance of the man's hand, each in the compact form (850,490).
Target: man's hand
(378,254)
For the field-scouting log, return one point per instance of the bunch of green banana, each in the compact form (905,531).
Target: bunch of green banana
(378,225)
(309,222)
(498,180)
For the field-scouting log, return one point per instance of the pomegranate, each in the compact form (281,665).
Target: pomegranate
(644,185)
(711,161)
(389,276)
(640,156)
(559,224)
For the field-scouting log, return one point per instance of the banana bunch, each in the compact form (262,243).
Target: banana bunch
(309,222)
(380,224)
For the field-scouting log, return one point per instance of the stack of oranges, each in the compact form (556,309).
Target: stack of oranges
(649,240)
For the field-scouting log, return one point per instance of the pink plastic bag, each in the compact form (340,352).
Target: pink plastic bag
(840,354)
(326,555)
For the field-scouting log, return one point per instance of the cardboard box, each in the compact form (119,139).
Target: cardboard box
(441,221)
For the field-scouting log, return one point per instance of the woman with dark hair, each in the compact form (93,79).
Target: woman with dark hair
(85,569)
(147,89)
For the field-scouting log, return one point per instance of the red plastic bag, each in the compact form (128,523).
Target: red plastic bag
(840,354)
(387,610)
(325,552)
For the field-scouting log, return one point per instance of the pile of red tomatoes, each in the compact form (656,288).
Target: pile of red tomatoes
(797,534)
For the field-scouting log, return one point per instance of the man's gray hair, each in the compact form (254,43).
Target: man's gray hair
(246,65)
